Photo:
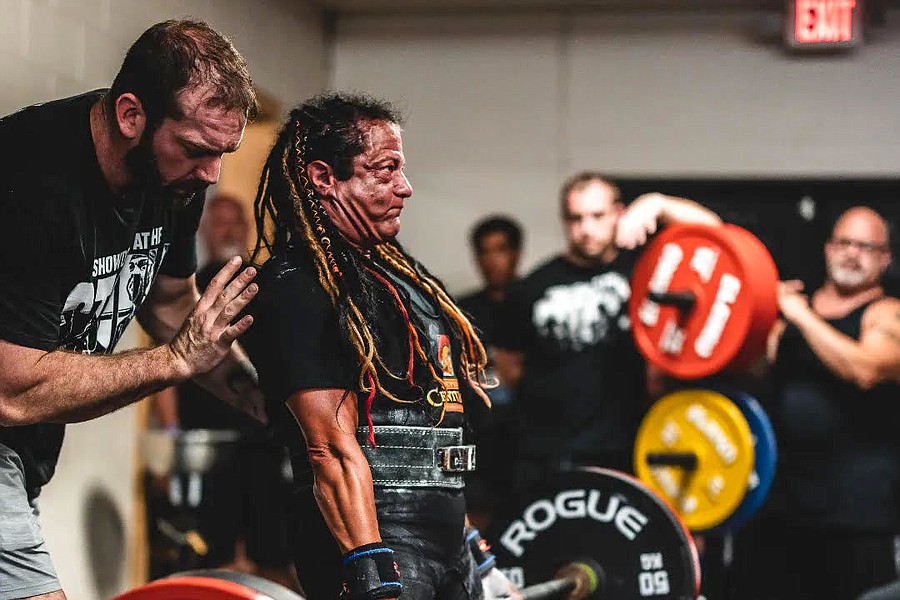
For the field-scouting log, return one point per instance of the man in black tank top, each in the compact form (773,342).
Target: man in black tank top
(829,529)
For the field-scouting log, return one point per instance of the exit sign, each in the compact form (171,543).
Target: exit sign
(823,24)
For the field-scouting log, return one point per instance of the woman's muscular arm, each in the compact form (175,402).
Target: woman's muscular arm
(343,482)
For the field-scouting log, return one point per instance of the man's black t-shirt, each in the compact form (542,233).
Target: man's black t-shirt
(485,313)
(76,261)
(583,389)
(296,344)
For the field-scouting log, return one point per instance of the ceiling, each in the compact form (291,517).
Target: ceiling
(423,6)
(339,7)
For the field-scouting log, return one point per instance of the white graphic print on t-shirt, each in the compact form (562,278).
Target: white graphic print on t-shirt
(579,315)
(96,312)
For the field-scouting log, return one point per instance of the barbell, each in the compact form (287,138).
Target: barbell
(599,534)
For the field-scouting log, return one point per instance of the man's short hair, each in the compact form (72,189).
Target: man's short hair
(494,224)
(176,54)
(581,180)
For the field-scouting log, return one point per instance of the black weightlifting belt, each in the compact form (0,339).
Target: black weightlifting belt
(417,456)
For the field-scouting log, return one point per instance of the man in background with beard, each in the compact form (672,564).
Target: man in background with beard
(831,523)
(101,194)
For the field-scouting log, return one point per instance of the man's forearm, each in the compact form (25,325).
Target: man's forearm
(69,387)
(36,385)
(682,210)
(840,353)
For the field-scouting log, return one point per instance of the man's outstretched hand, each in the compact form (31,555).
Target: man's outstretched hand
(207,334)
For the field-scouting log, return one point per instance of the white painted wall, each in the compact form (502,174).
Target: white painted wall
(53,48)
(502,109)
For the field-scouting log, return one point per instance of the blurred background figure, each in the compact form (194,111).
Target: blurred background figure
(835,369)
(224,230)
(496,243)
(243,511)
(583,385)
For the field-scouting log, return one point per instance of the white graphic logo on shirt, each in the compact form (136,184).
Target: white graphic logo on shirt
(96,312)
(579,315)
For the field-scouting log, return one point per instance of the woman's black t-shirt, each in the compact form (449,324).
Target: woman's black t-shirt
(296,344)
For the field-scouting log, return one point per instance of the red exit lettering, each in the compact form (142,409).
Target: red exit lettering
(823,21)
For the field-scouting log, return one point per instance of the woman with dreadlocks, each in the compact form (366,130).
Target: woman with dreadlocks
(367,362)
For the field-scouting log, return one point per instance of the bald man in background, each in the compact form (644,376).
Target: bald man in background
(830,526)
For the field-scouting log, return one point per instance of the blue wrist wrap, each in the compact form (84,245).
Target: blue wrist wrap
(370,572)
(481,552)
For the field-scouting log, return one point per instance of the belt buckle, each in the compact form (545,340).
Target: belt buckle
(457,459)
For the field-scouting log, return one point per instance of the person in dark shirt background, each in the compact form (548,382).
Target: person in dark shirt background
(496,243)
(581,385)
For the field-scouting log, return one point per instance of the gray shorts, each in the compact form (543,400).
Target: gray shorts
(25,566)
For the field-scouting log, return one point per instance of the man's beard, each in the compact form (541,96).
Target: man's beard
(145,174)
(142,165)
(589,254)
(848,278)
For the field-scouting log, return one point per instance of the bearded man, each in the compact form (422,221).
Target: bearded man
(835,369)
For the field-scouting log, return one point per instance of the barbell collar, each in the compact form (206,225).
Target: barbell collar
(577,580)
